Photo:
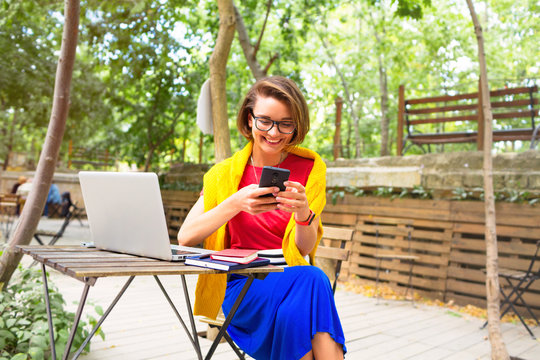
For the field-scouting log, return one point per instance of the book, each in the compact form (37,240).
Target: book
(207,262)
(240,256)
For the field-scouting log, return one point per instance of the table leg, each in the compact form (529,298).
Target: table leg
(49,315)
(103,317)
(76,320)
(194,339)
(190,314)
(227,321)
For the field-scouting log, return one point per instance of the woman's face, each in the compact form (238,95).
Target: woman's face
(272,141)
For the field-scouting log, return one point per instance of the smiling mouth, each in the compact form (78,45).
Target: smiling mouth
(272,142)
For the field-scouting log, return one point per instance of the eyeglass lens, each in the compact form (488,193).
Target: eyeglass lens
(265,124)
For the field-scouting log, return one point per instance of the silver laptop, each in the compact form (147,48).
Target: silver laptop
(126,215)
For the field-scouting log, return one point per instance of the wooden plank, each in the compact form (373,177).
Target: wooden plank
(516,114)
(466,274)
(480,260)
(166,270)
(402,221)
(402,279)
(442,109)
(400,244)
(505,248)
(513,91)
(444,98)
(502,230)
(332,218)
(336,233)
(332,253)
(466,287)
(445,119)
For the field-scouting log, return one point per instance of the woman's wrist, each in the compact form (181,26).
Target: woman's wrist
(304,220)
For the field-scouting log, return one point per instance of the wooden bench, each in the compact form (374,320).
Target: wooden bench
(424,119)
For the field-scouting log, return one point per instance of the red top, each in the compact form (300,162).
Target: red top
(266,230)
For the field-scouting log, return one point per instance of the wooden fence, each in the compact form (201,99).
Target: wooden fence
(447,236)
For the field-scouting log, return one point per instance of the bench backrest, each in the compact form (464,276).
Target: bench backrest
(333,250)
(424,120)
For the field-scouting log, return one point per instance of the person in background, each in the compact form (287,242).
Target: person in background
(20,181)
(14,190)
(289,315)
(23,190)
(53,201)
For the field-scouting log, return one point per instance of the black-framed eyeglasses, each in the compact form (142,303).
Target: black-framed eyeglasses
(263,123)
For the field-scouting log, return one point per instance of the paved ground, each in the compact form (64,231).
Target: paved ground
(142,326)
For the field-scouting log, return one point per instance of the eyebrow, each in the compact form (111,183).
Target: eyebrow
(268,117)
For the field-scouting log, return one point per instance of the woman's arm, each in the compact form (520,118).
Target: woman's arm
(199,224)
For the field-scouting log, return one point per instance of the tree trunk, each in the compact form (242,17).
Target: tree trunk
(348,98)
(357,139)
(498,348)
(218,77)
(33,208)
(249,50)
(383,85)
(10,140)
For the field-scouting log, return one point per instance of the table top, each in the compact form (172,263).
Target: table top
(81,262)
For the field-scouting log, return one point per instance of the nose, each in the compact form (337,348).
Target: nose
(274,131)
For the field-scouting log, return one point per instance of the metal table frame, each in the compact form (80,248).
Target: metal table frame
(255,273)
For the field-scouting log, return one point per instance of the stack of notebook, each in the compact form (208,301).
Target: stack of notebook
(228,259)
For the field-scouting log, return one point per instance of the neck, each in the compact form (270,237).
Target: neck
(261,161)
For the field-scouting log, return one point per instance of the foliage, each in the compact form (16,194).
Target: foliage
(419,192)
(24,332)
(516,195)
(140,65)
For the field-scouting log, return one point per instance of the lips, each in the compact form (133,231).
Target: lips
(272,142)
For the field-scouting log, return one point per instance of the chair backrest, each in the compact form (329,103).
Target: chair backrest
(536,256)
(334,248)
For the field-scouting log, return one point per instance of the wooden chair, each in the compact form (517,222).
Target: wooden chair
(327,251)
(336,254)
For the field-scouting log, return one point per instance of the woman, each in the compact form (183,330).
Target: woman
(289,315)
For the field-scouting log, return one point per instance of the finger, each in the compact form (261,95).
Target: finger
(266,191)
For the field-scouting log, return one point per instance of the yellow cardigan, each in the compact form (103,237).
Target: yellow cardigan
(220,182)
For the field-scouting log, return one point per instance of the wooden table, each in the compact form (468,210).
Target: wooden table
(88,265)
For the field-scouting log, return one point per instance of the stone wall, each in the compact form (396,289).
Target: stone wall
(439,172)
(445,171)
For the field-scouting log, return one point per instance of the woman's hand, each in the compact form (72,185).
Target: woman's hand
(249,199)
(294,200)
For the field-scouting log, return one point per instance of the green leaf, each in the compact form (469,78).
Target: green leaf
(8,335)
(99,310)
(39,341)
(10,323)
(36,353)
(20,356)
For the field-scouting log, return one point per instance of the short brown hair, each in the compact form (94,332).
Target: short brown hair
(282,89)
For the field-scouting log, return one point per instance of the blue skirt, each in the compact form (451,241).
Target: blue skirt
(280,315)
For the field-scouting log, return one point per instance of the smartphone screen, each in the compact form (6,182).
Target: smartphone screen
(273,176)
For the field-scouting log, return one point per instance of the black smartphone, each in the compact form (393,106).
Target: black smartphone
(273,176)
